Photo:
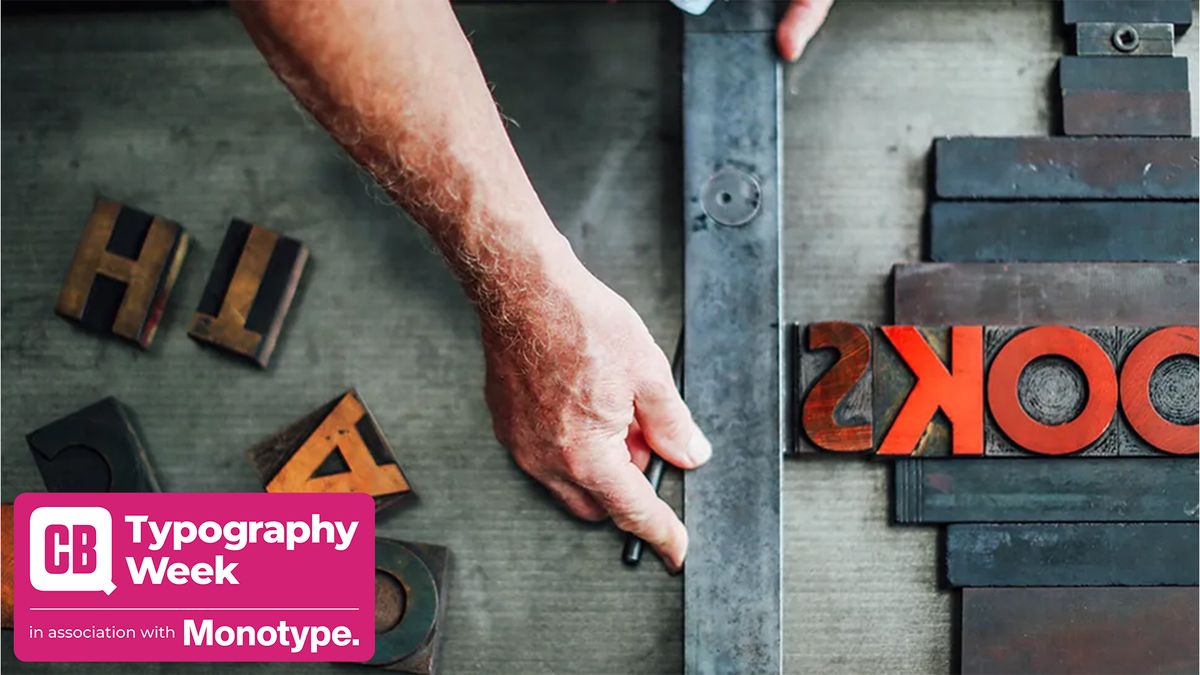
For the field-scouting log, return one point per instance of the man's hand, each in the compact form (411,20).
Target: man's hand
(582,395)
(800,22)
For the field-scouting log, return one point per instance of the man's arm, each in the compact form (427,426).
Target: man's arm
(578,390)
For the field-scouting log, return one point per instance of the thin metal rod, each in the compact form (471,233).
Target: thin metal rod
(631,554)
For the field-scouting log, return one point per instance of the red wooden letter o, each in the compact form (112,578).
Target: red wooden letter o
(1177,439)
(1010,415)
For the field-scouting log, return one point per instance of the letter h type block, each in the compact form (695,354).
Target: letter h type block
(249,291)
(124,267)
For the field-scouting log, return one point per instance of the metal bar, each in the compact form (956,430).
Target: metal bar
(732,365)
(1070,489)
(1114,73)
(1083,294)
(1051,631)
(1124,39)
(1067,168)
(1063,231)
(1072,554)
(631,552)
(1178,12)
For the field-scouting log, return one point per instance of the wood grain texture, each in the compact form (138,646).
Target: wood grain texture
(1079,631)
(1127,113)
(1095,294)
(1072,554)
(6,566)
(1000,490)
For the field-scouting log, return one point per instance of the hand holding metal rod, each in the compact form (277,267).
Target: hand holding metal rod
(631,554)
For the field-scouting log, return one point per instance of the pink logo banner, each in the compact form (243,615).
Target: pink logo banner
(194,577)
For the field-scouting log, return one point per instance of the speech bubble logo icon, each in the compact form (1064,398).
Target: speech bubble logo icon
(70,549)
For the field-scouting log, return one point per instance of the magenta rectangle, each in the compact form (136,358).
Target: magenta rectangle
(194,577)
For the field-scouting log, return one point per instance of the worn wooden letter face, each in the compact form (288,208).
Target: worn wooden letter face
(96,449)
(249,291)
(835,372)
(124,267)
(410,605)
(338,448)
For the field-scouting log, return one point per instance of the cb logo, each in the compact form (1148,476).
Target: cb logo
(70,549)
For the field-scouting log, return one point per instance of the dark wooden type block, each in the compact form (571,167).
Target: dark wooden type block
(1072,554)
(1177,12)
(6,566)
(124,268)
(952,490)
(96,449)
(1121,113)
(1067,168)
(1079,631)
(1098,294)
(1124,39)
(834,386)
(249,291)
(410,605)
(337,448)
(1064,231)
(1114,73)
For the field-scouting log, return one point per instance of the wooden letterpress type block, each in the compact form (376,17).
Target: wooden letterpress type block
(410,605)
(1051,390)
(6,566)
(1097,631)
(1078,231)
(1072,554)
(928,390)
(124,267)
(249,291)
(1126,113)
(834,368)
(336,448)
(1158,386)
(951,490)
(1023,294)
(1124,39)
(96,449)
(1177,12)
(1052,167)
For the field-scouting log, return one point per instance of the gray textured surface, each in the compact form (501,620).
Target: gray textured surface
(175,112)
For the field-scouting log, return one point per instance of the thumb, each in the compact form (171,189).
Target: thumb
(799,24)
(667,425)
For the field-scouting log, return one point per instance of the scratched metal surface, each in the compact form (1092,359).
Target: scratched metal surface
(174,112)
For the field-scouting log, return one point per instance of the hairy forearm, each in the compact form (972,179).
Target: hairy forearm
(396,84)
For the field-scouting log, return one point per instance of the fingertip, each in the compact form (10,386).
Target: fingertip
(785,40)
(699,449)
(673,559)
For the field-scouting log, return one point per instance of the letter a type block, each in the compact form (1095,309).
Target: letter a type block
(410,605)
(928,391)
(337,448)
(835,382)
(249,291)
(124,267)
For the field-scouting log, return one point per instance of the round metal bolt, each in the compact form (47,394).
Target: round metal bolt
(1125,38)
(731,197)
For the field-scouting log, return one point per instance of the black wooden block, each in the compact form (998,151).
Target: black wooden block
(1067,168)
(1114,73)
(1081,231)
(1085,631)
(1123,113)
(1072,554)
(96,449)
(410,605)
(1178,12)
(1097,294)
(953,490)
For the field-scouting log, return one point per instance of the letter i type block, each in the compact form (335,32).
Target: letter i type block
(249,291)
(124,267)
(336,448)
